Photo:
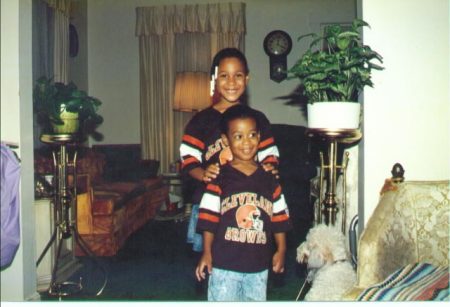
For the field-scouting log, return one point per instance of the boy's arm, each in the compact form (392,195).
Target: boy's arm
(205,175)
(208,220)
(267,150)
(280,225)
(278,257)
(191,153)
(191,149)
(206,259)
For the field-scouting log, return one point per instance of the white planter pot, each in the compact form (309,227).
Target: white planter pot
(334,115)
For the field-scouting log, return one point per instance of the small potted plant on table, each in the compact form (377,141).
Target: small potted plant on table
(64,109)
(332,73)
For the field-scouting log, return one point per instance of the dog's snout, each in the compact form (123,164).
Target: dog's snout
(302,253)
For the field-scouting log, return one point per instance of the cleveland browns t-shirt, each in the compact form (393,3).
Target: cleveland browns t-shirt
(243,212)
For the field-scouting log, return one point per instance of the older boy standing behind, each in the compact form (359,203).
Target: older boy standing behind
(241,213)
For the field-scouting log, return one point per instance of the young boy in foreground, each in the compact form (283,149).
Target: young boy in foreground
(242,213)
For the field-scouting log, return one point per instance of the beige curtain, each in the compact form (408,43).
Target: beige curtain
(176,38)
(157,75)
(61,48)
(62,6)
(192,53)
(61,39)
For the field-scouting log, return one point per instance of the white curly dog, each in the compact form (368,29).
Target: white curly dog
(328,263)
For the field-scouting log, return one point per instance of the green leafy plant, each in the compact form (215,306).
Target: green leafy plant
(336,66)
(51,98)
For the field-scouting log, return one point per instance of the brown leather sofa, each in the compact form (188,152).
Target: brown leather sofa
(117,194)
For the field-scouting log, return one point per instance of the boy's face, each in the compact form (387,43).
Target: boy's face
(231,79)
(243,139)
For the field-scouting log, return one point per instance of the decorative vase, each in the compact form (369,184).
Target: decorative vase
(334,115)
(70,124)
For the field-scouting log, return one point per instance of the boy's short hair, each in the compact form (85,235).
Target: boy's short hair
(237,112)
(229,53)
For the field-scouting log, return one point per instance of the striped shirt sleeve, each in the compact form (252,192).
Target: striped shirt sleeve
(280,216)
(267,149)
(209,213)
(191,150)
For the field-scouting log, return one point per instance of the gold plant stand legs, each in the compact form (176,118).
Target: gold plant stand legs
(329,171)
(329,205)
(64,215)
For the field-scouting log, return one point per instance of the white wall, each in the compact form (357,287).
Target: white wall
(18,281)
(406,115)
(113,58)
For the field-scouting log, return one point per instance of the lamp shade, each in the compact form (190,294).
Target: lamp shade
(191,91)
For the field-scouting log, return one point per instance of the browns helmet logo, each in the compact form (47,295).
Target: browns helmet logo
(248,217)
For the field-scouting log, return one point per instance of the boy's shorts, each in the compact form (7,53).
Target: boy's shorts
(192,236)
(230,286)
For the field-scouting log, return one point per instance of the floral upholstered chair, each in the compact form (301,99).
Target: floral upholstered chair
(409,226)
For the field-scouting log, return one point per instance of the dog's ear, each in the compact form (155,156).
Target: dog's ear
(327,255)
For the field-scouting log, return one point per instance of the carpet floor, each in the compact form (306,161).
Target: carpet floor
(156,264)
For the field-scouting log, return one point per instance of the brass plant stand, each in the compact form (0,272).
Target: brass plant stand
(64,213)
(328,206)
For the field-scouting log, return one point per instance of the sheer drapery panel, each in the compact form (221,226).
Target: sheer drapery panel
(62,6)
(157,75)
(61,48)
(198,32)
(53,39)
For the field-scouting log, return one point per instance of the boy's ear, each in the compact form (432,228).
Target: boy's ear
(225,140)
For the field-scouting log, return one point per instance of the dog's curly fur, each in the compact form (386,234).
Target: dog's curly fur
(329,267)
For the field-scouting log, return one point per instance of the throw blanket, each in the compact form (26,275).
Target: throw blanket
(414,282)
(10,205)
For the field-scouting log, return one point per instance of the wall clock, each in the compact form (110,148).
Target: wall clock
(277,45)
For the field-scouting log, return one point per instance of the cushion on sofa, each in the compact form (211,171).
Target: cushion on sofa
(120,193)
(124,163)
(92,163)
(105,201)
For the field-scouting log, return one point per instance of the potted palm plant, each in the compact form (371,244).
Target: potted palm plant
(63,108)
(332,73)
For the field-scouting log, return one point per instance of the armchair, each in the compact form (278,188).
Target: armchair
(410,225)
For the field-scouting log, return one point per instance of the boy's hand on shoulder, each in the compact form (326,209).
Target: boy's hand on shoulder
(211,172)
(269,167)
(278,262)
(205,263)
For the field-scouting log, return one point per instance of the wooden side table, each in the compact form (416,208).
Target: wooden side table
(173,180)
(332,137)
(167,212)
